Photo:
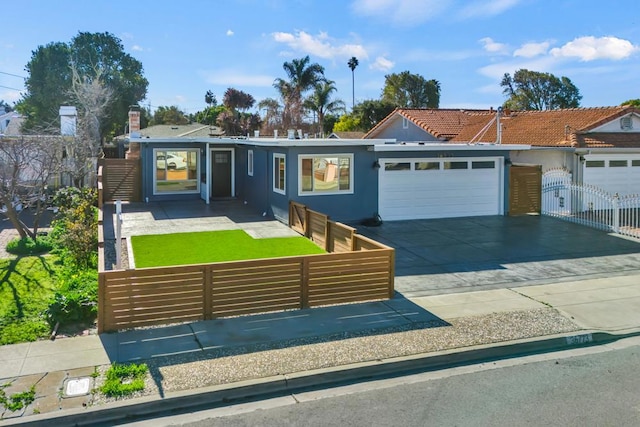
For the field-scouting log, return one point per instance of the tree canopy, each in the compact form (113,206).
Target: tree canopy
(632,102)
(5,107)
(302,76)
(235,99)
(533,90)
(169,116)
(322,103)
(409,90)
(50,79)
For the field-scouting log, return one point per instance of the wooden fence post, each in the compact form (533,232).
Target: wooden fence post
(208,293)
(101,303)
(304,284)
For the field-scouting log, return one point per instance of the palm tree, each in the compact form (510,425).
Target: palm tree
(353,63)
(302,77)
(320,101)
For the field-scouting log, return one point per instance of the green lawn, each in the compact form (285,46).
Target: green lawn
(214,246)
(27,284)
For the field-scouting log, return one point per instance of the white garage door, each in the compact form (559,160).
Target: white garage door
(440,187)
(613,173)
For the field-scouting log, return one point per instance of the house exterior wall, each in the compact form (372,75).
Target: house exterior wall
(411,133)
(548,159)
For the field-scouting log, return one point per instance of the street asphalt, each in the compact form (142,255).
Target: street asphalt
(445,270)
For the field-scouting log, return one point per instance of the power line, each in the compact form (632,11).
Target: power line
(11,88)
(13,75)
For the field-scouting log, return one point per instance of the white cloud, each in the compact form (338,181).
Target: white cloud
(591,48)
(230,77)
(137,48)
(321,45)
(492,46)
(496,71)
(382,64)
(529,50)
(484,8)
(404,12)
(229,33)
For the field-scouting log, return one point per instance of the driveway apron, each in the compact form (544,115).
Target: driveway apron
(450,255)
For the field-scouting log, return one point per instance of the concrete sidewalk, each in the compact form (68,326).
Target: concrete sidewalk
(609,305)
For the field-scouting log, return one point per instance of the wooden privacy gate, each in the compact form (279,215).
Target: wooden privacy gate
(525,189)
(121,179)
(358,270)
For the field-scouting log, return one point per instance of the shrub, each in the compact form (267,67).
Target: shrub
(76,228)
(17,401)
(76,298)
(23,331)
(29,246)
(123,380)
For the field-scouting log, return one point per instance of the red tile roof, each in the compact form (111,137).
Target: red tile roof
(441,123)
(552,128)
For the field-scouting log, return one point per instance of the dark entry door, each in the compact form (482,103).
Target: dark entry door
(221,174)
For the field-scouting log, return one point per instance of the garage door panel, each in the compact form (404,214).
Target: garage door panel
(624,180)
(413,194)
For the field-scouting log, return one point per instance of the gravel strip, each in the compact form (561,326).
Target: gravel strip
(223,366)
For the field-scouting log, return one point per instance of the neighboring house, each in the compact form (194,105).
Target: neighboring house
(599,146)
(424,125)
(348,179)
(10,124)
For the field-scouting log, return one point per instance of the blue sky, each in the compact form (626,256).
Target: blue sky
(190,47)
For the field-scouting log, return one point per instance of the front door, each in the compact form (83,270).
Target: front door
(221,173)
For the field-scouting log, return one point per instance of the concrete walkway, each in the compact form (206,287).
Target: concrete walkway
(611,305)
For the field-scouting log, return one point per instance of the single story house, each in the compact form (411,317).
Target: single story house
(348,179)
(598,146)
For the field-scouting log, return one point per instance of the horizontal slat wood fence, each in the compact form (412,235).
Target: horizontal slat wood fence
(358,270)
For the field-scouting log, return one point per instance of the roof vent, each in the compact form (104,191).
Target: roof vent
(626,123)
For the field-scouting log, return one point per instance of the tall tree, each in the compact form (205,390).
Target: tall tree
(409,90)
(5,107)
(302,76)
(353,63)
(210,99)
(209,115)
(533,90)
(171,115)
(50,79)
(272,118)
(235,99)
(321,103)
(27,165)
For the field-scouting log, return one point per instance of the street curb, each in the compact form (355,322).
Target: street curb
(136,409)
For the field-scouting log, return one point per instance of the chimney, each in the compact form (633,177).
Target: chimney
(134,121)
(68,119)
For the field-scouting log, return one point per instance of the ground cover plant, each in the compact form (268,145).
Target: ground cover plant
(27,285)
(214,246)
(124,379)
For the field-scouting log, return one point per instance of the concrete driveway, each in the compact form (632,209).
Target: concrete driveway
(442,256)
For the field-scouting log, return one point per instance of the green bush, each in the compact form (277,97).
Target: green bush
(23,331)
(29,246)
(76,299)
(75,230)
(123,380)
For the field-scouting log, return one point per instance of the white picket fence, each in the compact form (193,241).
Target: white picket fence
(588,205)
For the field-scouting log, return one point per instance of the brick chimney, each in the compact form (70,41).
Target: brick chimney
(134,121)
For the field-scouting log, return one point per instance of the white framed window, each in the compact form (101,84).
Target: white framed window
(405,123)
(250,162)
(176,171)
(325,174)
(279,173)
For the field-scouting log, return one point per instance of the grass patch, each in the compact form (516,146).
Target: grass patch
(214,246)
(27,284)
(123,380)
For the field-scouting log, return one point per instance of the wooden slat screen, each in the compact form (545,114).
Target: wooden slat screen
(525,190)
(122,179)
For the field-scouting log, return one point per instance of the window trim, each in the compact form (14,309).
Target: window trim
(155,171)
(276,189)
(311,156)
(250,162)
